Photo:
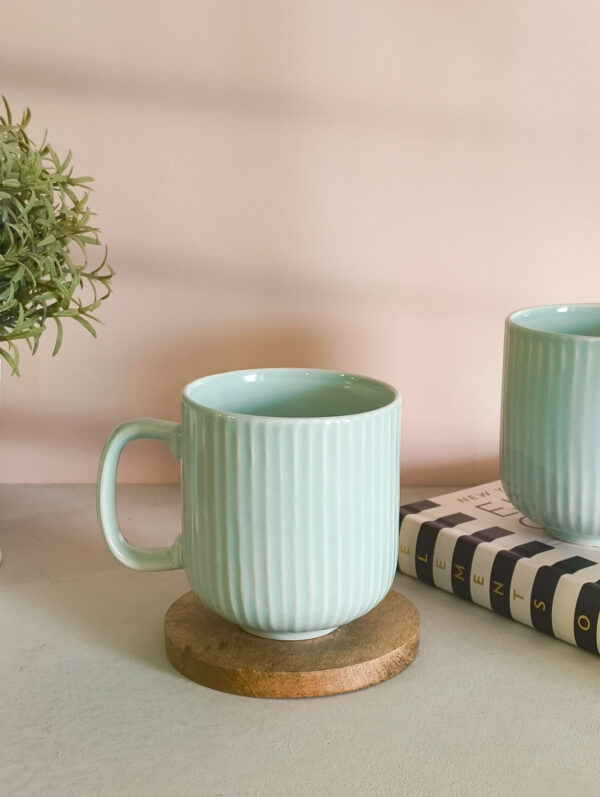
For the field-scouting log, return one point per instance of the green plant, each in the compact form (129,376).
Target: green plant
(44,222)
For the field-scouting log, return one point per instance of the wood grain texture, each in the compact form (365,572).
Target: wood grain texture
(216,653)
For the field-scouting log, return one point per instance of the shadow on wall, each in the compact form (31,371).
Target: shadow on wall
(167,370)
(269,346)
(181,361)
(185,92)
(465,472)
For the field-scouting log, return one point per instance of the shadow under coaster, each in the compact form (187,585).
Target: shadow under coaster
(216,653)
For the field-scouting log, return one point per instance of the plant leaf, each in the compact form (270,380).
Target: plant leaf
(85,323)
(59,336)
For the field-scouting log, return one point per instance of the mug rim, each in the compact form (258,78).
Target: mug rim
(395,397)
(513,320)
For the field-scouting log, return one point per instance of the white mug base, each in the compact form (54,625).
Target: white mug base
(290,636)
(575,539)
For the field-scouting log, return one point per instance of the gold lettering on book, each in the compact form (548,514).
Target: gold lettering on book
(537,604)
(440,565)
(423,558)
(498,587)
(516,595)
(404,549)
(583,621)
(460,572)
(479,580)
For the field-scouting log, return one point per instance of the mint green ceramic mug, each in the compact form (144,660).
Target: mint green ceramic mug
(550,435)
(290,496)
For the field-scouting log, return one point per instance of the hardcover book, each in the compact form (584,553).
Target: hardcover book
(476,544)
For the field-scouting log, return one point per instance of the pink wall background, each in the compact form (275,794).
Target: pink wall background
(369,187)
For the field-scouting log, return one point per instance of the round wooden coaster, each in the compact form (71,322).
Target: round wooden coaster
(216,653)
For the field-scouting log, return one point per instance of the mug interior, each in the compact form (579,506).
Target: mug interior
(289,393)
(575,319)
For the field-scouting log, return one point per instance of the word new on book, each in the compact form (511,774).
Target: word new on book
(475,544)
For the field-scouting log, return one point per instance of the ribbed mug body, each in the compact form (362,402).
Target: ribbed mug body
(290,523)
(550,431)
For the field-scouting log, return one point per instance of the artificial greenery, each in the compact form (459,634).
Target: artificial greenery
(45,231)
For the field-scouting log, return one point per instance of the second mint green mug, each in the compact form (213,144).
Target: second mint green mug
(550,436)
(290,496)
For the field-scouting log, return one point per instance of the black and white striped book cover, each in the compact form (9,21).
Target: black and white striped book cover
(475,544)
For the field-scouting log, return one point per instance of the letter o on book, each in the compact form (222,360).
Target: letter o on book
(583,621)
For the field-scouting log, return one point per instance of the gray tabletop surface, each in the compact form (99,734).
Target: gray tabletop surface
(91,706)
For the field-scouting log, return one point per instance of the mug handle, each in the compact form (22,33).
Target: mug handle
(135,558)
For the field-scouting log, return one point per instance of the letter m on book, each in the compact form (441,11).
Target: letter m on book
(426,539)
